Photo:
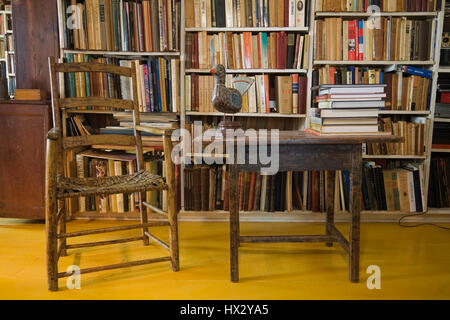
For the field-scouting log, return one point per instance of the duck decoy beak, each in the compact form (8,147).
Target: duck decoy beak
(213,71)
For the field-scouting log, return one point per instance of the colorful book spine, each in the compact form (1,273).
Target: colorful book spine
(361,40)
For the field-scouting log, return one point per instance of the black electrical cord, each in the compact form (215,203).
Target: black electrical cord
(420,224)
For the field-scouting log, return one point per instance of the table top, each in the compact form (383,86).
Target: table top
(302,137)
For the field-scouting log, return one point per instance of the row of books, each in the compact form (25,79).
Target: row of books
(383,5)
(407,92)
(93,163)
(383,189)
(274,50)
(122,25)
(384,38)
(284,191)
(247,13)
(439,190)
(414,134)
(393,189)
(347,108)
(280,94)
(157,82)
(441,135)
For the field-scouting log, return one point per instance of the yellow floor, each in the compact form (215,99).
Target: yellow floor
(415,264)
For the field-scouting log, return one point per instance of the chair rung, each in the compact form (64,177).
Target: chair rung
(116,266)
(101,243)
(340,238)
(113,229)
(155,209)
(157,240)
(279,239)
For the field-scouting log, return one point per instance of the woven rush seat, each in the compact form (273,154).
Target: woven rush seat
(140,181)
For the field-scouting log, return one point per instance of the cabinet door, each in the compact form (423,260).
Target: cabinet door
(23,129)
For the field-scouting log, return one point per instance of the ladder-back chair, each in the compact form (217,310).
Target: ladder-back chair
(59,188)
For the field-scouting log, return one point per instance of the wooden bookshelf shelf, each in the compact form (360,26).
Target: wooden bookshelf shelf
(125,53)
(442,120)
(440,150)
(241,29)
(439,211)
(394,157)
(381,14)
(231,71)
(372,63)
(444,70)
(255,114)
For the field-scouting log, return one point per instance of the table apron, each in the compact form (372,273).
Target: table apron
(306,157)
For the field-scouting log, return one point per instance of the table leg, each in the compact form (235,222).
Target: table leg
(355,208)
(330,204)
(234,224)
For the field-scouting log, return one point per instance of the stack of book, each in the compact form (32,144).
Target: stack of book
(342,109)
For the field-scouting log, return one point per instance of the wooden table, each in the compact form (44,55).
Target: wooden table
(301,151)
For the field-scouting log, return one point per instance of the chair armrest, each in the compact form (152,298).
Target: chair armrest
(163,132)
(54,134)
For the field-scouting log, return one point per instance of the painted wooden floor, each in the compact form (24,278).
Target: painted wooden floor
(414,262)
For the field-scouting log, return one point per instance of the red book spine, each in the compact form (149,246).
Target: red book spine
(302,94)
(332,74)
(258,37)
(353,40)
(281,50)
(251,194)
(248,49)
(424,6)
(286,13)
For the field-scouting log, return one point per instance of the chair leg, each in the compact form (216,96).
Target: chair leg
(52,245)
(62,227)
(174,250)
(144,218)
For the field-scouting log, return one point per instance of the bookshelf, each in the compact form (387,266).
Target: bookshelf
(164,40)
(437,20)
(291,121)
(7,48)
(442,71)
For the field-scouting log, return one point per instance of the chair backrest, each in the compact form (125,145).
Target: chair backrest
(61,103)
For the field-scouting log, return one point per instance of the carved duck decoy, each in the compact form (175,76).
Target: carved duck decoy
(226,100)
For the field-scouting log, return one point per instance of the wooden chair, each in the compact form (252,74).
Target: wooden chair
(59,188)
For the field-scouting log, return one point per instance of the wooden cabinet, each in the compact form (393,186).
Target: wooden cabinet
(23,129)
